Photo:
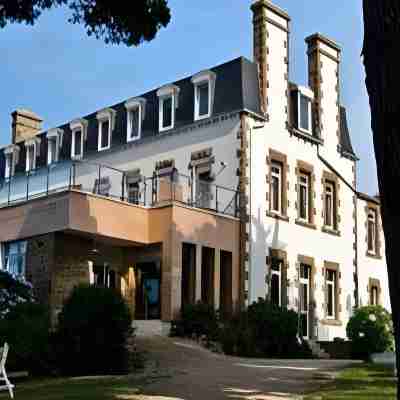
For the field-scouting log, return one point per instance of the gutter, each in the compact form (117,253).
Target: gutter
(329,166)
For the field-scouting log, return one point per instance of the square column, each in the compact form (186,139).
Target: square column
(217,278)
(198,272)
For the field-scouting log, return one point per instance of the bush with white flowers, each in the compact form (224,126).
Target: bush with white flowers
(370,330)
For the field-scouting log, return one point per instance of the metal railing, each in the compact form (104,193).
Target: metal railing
(117,184)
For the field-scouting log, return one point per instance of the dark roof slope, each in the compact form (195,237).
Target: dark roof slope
(367,197)
(345,140)
(236,89)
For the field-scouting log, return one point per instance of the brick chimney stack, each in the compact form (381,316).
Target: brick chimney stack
(25,125)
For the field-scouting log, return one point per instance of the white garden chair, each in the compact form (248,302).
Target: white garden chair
(3,375)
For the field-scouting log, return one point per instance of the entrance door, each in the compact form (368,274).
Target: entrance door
(148,291)
(305,280)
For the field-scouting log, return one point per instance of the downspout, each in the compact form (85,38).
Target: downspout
(354,190)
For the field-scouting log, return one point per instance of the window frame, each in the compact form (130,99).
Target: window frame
(106,115)
(277,273)
(309,95)
(333,285)
(131,105)
(279,175)
(30,164)
(6,256)
(372,217)
(164,93)
(198,80)
(330,185)
(307,185)
(75,126)
(54,136)
(11,154)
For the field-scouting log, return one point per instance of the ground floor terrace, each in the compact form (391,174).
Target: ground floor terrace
(159,258)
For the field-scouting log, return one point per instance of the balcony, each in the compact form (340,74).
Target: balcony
(112,183)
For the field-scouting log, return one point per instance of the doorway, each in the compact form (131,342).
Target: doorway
(148,291)
(304,288)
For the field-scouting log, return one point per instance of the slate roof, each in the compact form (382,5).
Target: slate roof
(236,89)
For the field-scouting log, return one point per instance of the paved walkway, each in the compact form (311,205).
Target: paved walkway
(183,370)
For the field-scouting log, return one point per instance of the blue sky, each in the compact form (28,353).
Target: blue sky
(60,73)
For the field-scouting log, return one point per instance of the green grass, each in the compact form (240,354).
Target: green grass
(83,389)
(365,382)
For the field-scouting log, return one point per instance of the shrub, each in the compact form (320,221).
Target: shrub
(94,326)
(26,329)
(198,319)
(263,330)
(370,331)
(13,292)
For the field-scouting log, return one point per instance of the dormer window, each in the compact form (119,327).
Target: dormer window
(135,115)
(11,154)
(32,152)
(79,134)
(302,104)
(168,103)
(204,87)
(54,143)
(106,119)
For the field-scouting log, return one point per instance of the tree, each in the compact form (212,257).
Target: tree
(129,22)
(382,66)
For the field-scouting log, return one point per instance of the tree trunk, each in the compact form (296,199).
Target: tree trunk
(382,65)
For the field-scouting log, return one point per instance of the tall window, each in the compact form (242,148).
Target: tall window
(15,257)
(167,112)
(77,144)
(104,276)
(305,113)
(52,151)
(303,196)
(9,166)
(276,282)
(204,87)
(11,158)
(331,293)
(134,123)
(106,122)
(374,295)
(372,231)
(330,205)
(79,133)
(276,187)
(30,157)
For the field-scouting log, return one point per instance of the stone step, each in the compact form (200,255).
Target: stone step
(148,328)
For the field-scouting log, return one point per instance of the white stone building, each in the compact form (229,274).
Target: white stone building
(258,173)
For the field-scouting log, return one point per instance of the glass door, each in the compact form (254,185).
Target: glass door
(304,288)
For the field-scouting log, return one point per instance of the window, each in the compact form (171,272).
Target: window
(331,293)
(204,87)
(305,113)
(372,232)
(168,102)
(11,154)
(374,295)
(135,116)
(15,258)
(106,119)
(30,157)
(54,143)
(276,187)
(276,282)
(329,205)
(79,133)
(304,190)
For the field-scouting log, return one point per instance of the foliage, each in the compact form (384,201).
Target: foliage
(128,22)
(13,292)
(197,320)
(264,330)
(26,329)
(93,330)
(370,330)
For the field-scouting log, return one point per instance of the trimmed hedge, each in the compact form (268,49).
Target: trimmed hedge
(370,330)
(93,329)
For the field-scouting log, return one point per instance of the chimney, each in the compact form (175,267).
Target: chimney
(324,79)
(271,53)
(25,125)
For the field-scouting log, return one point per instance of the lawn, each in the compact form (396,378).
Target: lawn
(72,389)
(366,382)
